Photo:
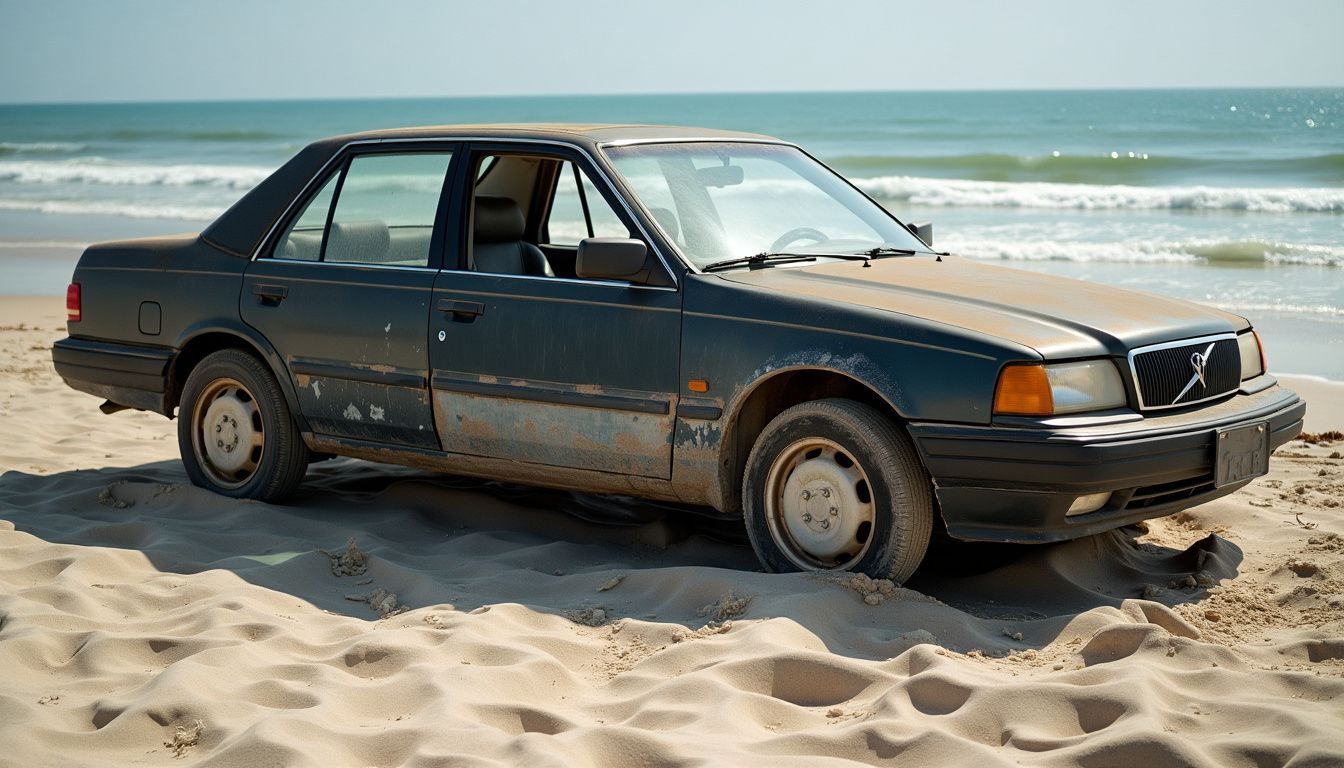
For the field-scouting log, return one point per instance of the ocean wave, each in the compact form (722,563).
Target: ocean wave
(1224,252)
(1322,310)
(1116,167)
(22,147)
(994,194)
(108,208)
(99,171)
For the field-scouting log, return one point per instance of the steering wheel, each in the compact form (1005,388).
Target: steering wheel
(796,234)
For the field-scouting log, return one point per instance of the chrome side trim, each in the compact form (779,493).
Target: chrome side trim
(593,161)
(1134,371)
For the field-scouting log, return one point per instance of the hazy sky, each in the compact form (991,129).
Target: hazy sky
(89,50)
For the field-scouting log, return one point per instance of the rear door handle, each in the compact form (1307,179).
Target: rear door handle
(270,294)
(461,309)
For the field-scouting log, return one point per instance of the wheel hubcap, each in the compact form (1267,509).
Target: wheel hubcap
(227,433)
(819,505)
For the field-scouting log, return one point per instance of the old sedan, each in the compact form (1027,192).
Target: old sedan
(708,317)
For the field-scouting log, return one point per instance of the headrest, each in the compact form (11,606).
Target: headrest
(668,221)
(497,220)
(363,241)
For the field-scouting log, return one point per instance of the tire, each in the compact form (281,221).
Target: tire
(232,399)
(833,485)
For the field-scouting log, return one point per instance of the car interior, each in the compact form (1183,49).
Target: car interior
(528,214)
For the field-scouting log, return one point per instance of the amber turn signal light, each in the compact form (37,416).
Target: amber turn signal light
(698,385)
(1023,390)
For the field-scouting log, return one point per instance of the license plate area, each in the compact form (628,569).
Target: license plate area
(1241,454)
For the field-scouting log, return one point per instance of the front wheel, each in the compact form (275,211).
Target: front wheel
(832,485)
(235,431)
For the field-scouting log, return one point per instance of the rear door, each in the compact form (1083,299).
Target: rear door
(553,370)
(343,293)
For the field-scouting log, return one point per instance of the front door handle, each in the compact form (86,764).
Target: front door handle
(270,295)
(465,310)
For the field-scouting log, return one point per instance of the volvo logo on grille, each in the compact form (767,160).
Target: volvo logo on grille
(1197,361)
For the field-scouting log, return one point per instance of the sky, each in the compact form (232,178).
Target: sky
(156,50)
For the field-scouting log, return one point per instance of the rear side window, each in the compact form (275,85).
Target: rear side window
(575,216)
(385,207)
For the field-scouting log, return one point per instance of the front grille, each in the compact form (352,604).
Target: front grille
(1166,374)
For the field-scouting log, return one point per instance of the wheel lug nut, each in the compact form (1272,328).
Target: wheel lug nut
(826,492)
(220,443)
(834,512)
(807,517)
(218,427)
(807,495)
(825,523)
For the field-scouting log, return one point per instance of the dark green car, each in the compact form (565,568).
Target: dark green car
(692,315)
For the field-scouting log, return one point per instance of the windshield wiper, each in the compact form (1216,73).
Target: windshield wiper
(883,250)
(757,259)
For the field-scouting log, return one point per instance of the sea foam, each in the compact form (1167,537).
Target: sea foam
(994,194)
(93,170)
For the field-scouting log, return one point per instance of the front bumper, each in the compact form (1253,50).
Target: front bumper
(1015,483)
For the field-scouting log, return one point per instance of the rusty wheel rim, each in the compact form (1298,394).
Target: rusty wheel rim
(819,505)
(227,435)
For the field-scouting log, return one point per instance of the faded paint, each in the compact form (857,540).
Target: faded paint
(548,476)
(317,389)
(375,412)
(352,413)
(554,434)
(1052,315)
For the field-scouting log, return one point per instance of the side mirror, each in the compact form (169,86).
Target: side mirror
(923,230)
(611,258)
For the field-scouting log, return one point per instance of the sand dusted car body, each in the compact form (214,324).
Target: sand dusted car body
(563,306)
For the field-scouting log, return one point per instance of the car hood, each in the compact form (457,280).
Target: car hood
(1058,317)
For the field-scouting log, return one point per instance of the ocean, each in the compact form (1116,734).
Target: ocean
(1233,198)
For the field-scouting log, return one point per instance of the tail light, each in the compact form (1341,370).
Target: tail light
(72,303)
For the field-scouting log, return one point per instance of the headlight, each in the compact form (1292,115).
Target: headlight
(1047,390)
(1252,355)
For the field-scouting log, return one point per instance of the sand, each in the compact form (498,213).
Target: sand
(394,617)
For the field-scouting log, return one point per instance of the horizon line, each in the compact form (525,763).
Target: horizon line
(627,94)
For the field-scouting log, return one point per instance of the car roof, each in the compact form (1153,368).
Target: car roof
(241,229)
(580,133)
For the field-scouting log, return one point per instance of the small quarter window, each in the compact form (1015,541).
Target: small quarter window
(303,239)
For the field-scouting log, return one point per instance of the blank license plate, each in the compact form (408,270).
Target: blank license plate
(1242,453)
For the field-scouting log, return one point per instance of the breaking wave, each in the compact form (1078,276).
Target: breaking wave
(995,194)
(109,208)
(1216,252)
(98,171)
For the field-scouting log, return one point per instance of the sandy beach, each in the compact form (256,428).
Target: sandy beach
(394,617)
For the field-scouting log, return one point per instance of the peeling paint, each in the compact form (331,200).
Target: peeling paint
(375,412)
(317,390)
(352,413)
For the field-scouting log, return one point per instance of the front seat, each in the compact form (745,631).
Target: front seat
(497,240)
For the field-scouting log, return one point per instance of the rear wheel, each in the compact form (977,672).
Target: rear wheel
(833,485)
(235,431)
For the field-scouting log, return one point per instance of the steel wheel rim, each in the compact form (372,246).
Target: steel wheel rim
(227,433)
(819,505)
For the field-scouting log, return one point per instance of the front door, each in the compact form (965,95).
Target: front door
(533,367)
(344,296)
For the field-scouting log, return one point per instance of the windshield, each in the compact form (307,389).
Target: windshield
(730,200)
